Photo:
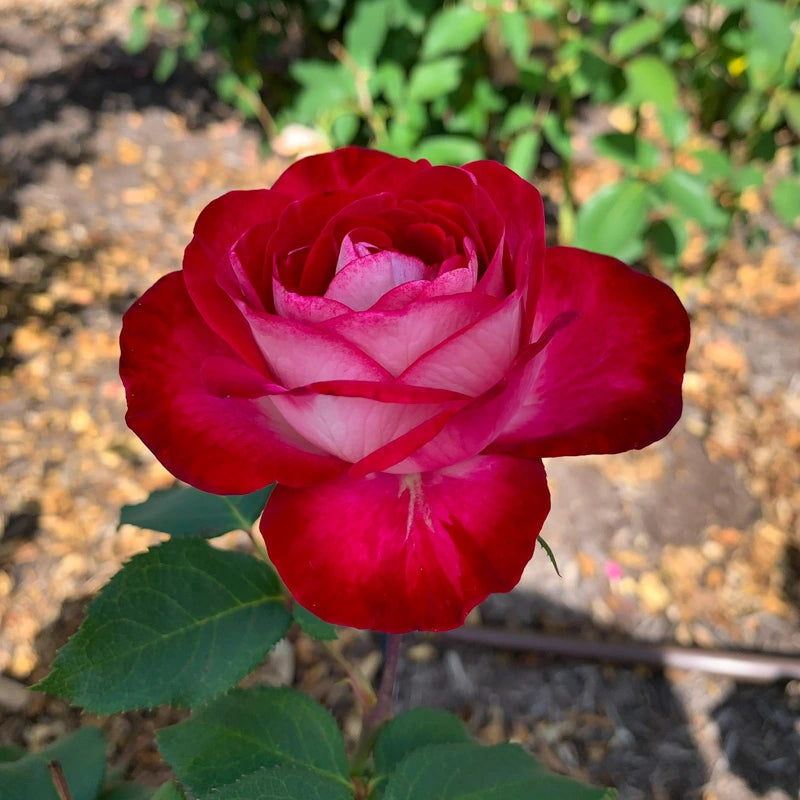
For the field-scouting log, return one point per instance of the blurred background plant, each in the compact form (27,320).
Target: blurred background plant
(694,105)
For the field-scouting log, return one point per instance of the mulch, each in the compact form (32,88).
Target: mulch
(694,541)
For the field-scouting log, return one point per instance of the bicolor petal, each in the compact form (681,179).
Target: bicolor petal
(222,444)
(399,553)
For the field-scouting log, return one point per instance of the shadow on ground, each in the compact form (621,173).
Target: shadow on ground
(621,726)
(55,115)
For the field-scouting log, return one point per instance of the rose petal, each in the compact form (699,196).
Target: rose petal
(518,203)
(305,308)
(365,280)
(330,172)
(226,445)
(299,354)
(476,425)
(399,553)
(611,381)
(476,357)
(352,426)
(395,339)
(223,221)
(208,270)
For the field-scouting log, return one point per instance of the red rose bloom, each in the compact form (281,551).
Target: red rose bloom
(394,345)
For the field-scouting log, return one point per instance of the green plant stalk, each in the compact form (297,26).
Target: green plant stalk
(382,710)
(566,211)
(361,78)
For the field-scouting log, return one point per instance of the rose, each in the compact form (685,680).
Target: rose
(394,345)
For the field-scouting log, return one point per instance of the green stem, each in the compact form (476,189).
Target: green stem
(382,710)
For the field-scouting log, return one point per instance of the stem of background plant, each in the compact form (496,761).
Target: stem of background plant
(362,689)
(566,210)
(382,710)
(261,111)
(360,79)
(59,781)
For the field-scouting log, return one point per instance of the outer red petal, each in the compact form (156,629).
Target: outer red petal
(611,380)
(207,260)
(226,445)
(329,172)
(519,203)
(398,553)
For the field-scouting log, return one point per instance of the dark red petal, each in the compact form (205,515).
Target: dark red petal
(407,552)
(226,445)
(225,219)
(519,204)
(611,380)
(330,172)
(209,271)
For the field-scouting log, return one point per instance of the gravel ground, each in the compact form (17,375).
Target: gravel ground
(694,541)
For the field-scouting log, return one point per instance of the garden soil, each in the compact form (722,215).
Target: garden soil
(693,541)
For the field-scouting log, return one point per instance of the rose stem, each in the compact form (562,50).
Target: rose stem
(59,781)
(382,710)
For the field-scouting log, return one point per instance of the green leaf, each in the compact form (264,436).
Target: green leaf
(747,176)
(668,10)
(628,149)
(523,154)
(414,729)
(674,124)
(140,33)
(166,64)
(127,791)
(691,195)
(247,730)
(651,80)
(715,165)
(669,237)
(635,35)
(184,512)
(771,23)
(557,136)
(82,756)
(613,220)
(178,624)
(453,30)
(227,85)
(791,110)
(449,150)
(10,752)
(311,624)
(549,550)
(365,33)
(325,86)
(167,16)
(169,791)
(514,28)
(288,782)
(326,13)
(608,13)
(344,129)
(519,116)
(391,81)
(747,111)
(472,772)
(434,78)
(786,200)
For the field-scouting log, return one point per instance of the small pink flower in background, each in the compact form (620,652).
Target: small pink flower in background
(394,345)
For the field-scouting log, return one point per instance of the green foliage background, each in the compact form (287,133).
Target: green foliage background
(704,94)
